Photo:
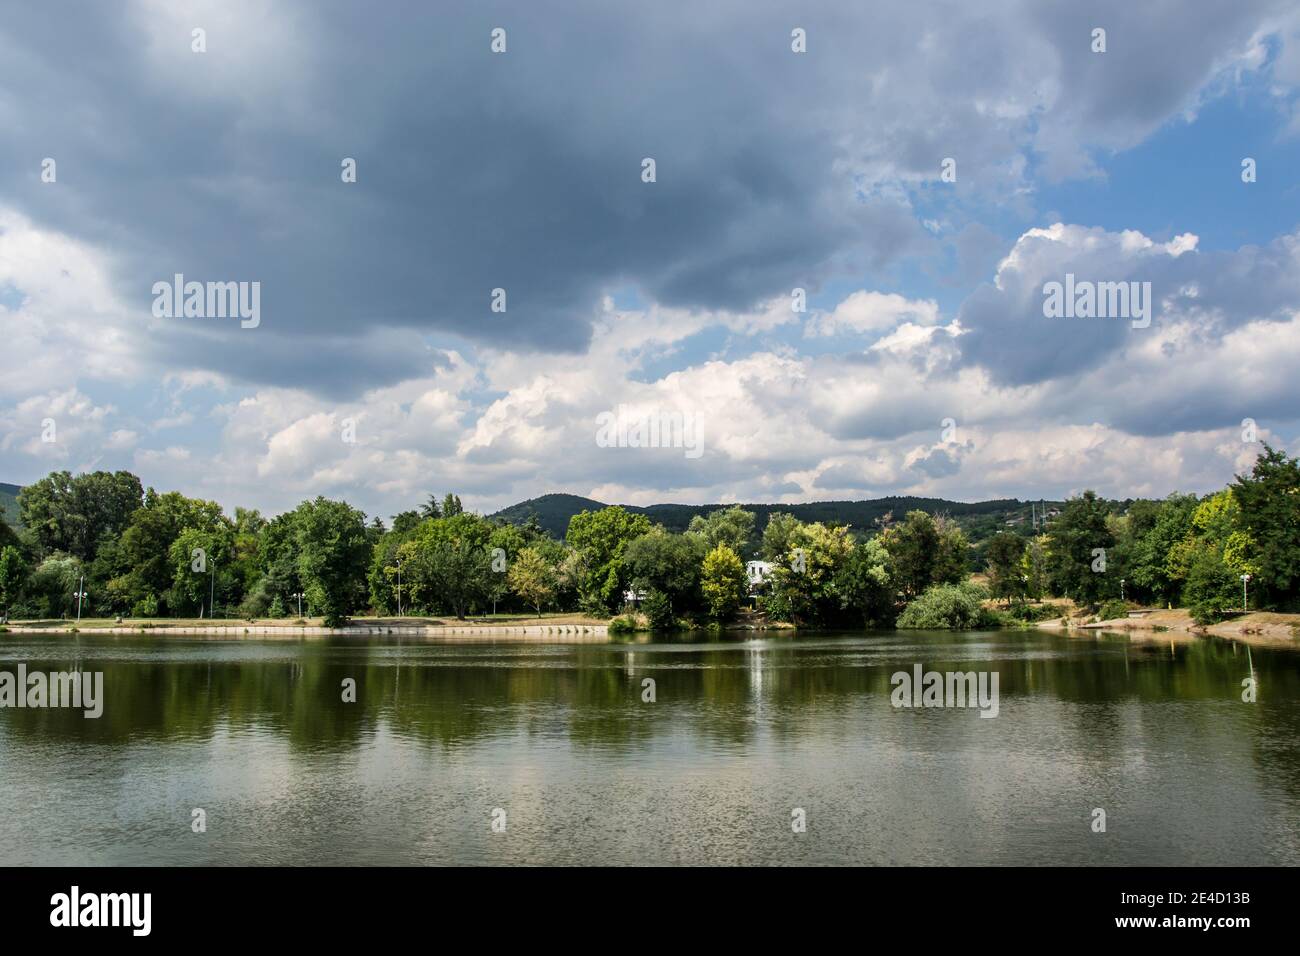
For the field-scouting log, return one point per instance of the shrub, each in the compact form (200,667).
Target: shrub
(1112,610)
(948,607)
(624,624)
(1032,613)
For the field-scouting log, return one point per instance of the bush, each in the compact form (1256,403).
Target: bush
(624,624)
(1112,610)
(1212,610)
(1032,613)
(948,607)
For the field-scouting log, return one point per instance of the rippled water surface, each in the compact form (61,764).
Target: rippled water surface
(741,732)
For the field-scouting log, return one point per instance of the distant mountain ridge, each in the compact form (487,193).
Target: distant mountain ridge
(553,511)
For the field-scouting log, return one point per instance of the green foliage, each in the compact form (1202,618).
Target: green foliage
(865,583)
(722,581)
(778,536)
(803,586)
(666,563)
(331,542)
(1113,610)
(733,527)
(1269,503)
(925,551)
(448,564)
(623,624)
(1212,591)
(14,574)
(72,515)
(53,583)
(948,607)
(1032,613)
(532,578)
(1034,567)
(1005,556)
(602,537)
(1077,533)
(1148,567)
(658,609)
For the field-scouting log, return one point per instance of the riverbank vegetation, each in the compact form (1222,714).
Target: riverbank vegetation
(134,552)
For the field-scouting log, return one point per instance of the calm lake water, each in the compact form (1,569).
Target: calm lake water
(741,732)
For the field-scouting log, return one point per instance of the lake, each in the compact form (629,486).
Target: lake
(740,733)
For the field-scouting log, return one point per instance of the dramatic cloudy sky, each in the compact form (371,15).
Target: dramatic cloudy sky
(775,170)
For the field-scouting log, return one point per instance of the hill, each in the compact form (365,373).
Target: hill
(9,502)
(979,519)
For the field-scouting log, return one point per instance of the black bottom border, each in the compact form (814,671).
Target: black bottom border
(336,905)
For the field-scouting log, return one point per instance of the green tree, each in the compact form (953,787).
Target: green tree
(722,581)
(667,563)
(778,536)
(73,515)
(1269,503)
(197,557)
(1081,537)
(54,582)
(14,573)
(1033,566)
(803,584)
(532,578)
(143,571)
(602,537)
(1006,552)
(1212,590)
(923,551)
(1148,566)
(732,526)
(948,606)
(332,546)
(449,562)
(865,583)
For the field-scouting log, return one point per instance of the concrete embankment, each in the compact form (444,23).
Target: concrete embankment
(557,633)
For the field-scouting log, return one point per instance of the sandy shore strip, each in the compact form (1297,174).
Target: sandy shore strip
(1261,628)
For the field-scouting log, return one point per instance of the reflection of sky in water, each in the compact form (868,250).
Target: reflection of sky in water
(740,733)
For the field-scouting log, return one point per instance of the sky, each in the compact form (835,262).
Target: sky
(914,179)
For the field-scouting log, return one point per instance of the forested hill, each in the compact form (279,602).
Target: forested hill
(9,502)
(554,511)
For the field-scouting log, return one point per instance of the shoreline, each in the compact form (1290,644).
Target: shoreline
(559,633)
(1258,628)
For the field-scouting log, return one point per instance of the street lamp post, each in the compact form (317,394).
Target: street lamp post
(1121,589)
(81,593)
(298,595)
(399,588)
(1244,579)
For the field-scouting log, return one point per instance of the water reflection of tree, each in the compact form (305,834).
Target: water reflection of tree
(724,695)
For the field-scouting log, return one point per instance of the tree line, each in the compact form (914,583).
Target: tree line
(135,552)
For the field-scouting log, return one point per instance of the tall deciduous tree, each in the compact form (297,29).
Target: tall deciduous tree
(722,580)
(532,579)
(1006,577)
(602,537)
(1081,538)
(1269,499)
(332,548)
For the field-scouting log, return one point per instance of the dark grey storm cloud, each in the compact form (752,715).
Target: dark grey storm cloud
(522,170)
